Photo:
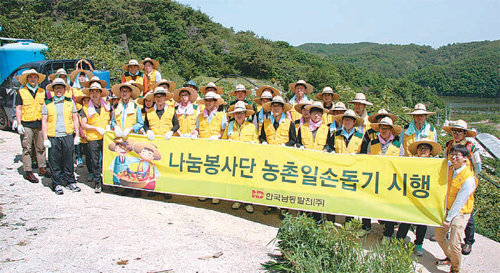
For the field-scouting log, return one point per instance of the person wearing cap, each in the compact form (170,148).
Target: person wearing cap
(421,148)
(167,85)
(151,75)
(278,129)
(305,115)
(314,134)
(419,128)
(348,139)
(459,130)
(371,134)
(360,104)
(95,117)
(186,111)
(240,129)
(133,73)
(126,116)
(300,90)
(60,73)
(191,84)
(264,94)
(161,118)
(29,101)
(328,96)
(459,205)
(59,124)
(338,109)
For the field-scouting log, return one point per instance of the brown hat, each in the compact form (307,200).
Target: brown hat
(79,99)
(277,99)
(381,113)
(58,81)
(149,96)
(436,147)
(73,76)
(218,89)
(309,88)
(421,109)
(240,107)
(328,90)
(171,84)
(316,104)
(59,72)
(192,94)
(87,84)
(135,91)
(139,146)
(360,98)
(240,87)
(461,125)
(298,107)
(133,62)
(350,114)
(262,88)
(396,129)
(96,86)
(23,78)
(155,63)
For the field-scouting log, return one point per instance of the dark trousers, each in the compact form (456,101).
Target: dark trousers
(389,228)
(469,230)
(403,231)
(94,149)
(78,151)
(61,160)
(367,222)
(86,151)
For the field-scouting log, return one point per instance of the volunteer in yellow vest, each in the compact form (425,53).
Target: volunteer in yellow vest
(300,89)
(370,134)
(211,87)
(167,85)
(419,128)
(126,116)
(459,130)
(59,124)
(151,75)
(338,109)
(241,93)
(360,104)
(133,73)
(304,117)
(60,73)
(82,148)
(264,94)
(239,129)
(29,101)
(95,117)
(161,118)
(348,138)
(278,129)
(186,111)
(459,205)
(328,97)
(422,148)
(314,134)
(146,103)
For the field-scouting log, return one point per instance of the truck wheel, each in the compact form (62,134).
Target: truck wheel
(4,120)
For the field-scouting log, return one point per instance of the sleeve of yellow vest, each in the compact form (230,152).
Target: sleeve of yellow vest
(463,194)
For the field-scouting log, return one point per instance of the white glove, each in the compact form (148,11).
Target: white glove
(193,136)
(264,143)
(151,135)
(77,140)
(168,135)
(118,131)
(108,127)
(252,142)
(332,152)
(47,144)
(214,137)
(100,131)
(302,148)
(283,144)
(14,124)
(20,129)
(127,131)
(186,135)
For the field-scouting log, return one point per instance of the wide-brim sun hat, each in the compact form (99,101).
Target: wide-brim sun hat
(309,88)
(328,90)
(119,140)
(59,72)
(461,125)
(338,106)
(262,88)
(218,89)
(155,63)
(240,87)
(264,95)
(23,78)
(149,96)
(171,84)
(298,107)
(396,129)
(58,81)
(317,105)
(133,62)
(350,114)
(79,99)
(139,146)
(73,76)
(277,99)
(360,98)
(240,107)
(96,86)
(94,79)
(436,147)
(192,94)
(421,109)
(159,90)
(382,113)
(211,95)
(135,91)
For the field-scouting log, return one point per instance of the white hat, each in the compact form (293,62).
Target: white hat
(309,88)
(360,98)
(396,129)
(240,106)
(133,62)
(462,125)
(421,109)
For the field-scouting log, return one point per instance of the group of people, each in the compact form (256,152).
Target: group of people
(73,113)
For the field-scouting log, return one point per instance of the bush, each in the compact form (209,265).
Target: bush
(487,217)
(310,247)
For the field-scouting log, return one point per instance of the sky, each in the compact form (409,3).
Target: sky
(423,22)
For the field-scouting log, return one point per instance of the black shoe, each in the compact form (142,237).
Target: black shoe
(137,193)
(269,211)
(98,187)
(74,187)
(44,172)
(58,190)
(31,177)
(125,192)
(167,196)
(283,212)
(152,194)
(466,248)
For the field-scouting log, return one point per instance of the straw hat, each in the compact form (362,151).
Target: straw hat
(222,99)
(240,107)
(23,78)
(360,98)
(139,146)
(339,106)
(316,104)
(211,95)
(119,140)
(58,81)
(298,107)
(286,106)
(96,85)
(79,99)
(155,63)
(133,62)
(94,79)
(381,113)
(192,94)
(135,91)
(192,83)
(218,89)
(328,90)
(240,87)
(262,88)
(396,129)
(349,113)
(462,125)
(138,85)
(421,109)
(436,147)
(76,72)
(264,95)
(309,88)
(159,90)
(60,71)
(171,84)
(140,100)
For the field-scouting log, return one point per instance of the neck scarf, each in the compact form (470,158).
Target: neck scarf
(423,132)
(77,83)
(313,126)
(207,114)
(32,89)
(92,106)
(383,141)
(185,110)
(294,101)
(58,99)
(345,133)
(282,119)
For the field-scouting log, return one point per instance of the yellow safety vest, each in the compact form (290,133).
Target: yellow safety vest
(67,115)
(151,80)
(31,109)
(393,150)
(100,120)
(131,118)
(206,129)
(354,146)
(294,114)
(279,136)
(187,123)
(409,139)
(160,126)
(454,186)
(138,79)
(319,142)
(327,118)
(246,133)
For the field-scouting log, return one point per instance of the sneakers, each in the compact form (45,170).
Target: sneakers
(236,205)
(249,208)
(419,250)
(466,248)
(91,177)
(215,201)
(386,240)
(74,187)
(362,233)
(58,189)
(98,187)
(79,162)
(30,177)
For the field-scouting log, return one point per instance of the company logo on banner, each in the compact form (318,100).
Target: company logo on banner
(400,189)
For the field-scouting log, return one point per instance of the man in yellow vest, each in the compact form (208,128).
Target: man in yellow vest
(370,133)
(133,73)
(314,134)
(305,115)
(167,85)
(186,111)
(127,116)
(29,102)
(419,128)
(95,117)
(459,205)
(240,129)
(347,140)
(264,94)
(161,118)
(59,125)
(360,104)
(151,75)
(328,97)
(338,109)
(278,129)
(300,89)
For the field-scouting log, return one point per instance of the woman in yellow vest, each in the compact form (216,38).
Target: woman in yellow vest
(300,89)
(314,134)
(167,85)
(278,129)
(126,116)
(95,117)
(370,134)
(240,129)
(347,140)
(161,118)
(360,103)
(186,111)
(419,128)
(133,73)
(459,205)
(305,114)
(146,103)
(328,97)
(59,124)
(264,94)
(151,75)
